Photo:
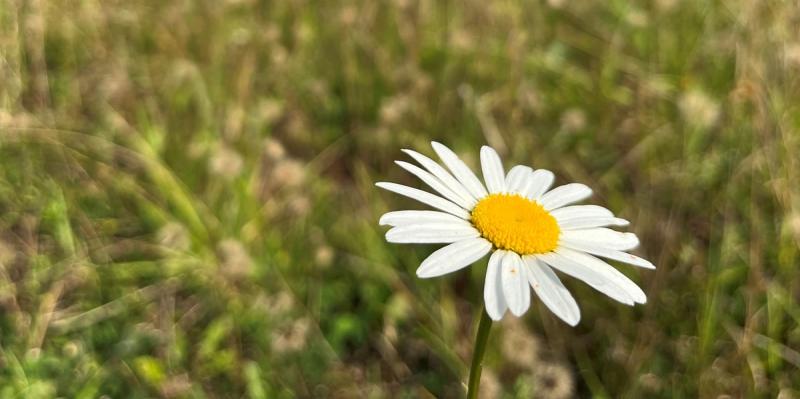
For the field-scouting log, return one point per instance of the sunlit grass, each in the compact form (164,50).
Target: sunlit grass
(187,201)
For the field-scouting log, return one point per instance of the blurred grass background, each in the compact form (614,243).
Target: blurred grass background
(187,205)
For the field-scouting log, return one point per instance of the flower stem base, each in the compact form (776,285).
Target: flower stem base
(477,355)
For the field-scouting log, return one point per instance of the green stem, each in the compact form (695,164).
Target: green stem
(477,355)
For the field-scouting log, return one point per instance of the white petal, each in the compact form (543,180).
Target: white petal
(403,218)
(538,183)
(460,170)
(493,173)
(580,211)
(608,272)
(431,233)
(563,195)
(605,252)
(454,257)
(600,236)
(426,198)
(434,183)
(551,291)
(591,222)
(586,274)
(445,176)
(517,179)
(515,284)
(600,275)
(493,288)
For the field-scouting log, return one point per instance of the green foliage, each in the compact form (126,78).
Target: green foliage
(188,209)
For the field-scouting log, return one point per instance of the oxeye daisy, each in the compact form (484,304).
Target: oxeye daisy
(528,228)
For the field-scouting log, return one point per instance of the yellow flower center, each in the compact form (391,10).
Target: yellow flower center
(516,224)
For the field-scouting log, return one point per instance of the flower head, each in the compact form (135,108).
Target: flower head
(528,228)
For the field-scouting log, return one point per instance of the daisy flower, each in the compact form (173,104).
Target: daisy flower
(528,228)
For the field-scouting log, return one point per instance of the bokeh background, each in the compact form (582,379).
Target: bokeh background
(188,209)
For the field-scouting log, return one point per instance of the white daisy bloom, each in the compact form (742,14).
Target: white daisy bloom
(529,228)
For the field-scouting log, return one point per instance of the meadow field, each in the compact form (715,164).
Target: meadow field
(188,205)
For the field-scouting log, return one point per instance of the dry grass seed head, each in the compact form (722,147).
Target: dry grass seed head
(519,346)
(554,381)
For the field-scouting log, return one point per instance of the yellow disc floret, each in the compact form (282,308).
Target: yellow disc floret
(516,224)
